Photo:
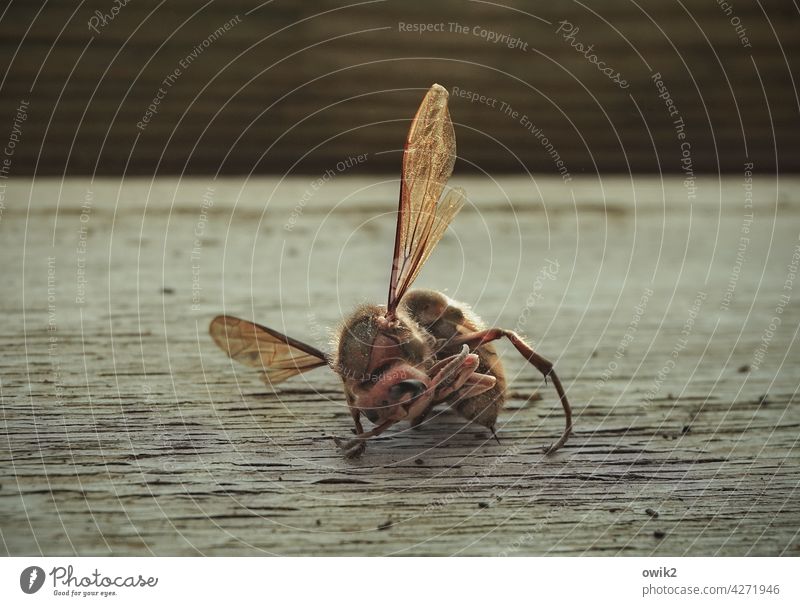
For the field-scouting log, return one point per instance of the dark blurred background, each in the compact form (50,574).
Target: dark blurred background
(270,87)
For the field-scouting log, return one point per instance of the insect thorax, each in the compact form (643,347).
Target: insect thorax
(361,342)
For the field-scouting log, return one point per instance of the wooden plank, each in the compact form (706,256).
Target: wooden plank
(124,430)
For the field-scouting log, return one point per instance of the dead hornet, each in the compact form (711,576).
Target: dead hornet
(422,348)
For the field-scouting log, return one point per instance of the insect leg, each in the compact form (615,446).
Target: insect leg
(451,373)
(475,385)
(355,446)
(544,366)
(467,384)
(356,414)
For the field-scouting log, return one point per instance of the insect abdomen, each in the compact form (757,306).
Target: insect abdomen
(444,319)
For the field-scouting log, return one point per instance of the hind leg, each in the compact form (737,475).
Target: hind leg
(467,388)
(544,366)
(354,447)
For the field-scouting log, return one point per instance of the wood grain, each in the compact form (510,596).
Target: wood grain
(125,431)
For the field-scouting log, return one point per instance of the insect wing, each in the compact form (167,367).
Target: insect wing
(428,159)
(278,356)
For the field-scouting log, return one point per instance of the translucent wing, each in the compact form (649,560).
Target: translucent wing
(277,355)
(428,159)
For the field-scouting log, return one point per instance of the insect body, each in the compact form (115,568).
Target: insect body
(421,349)
(447,321)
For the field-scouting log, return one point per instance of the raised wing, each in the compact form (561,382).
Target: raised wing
(277,355)
(428,159)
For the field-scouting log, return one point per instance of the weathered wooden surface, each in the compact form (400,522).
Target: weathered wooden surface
(126,432)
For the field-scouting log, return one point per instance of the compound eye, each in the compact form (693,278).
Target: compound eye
(412,387)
